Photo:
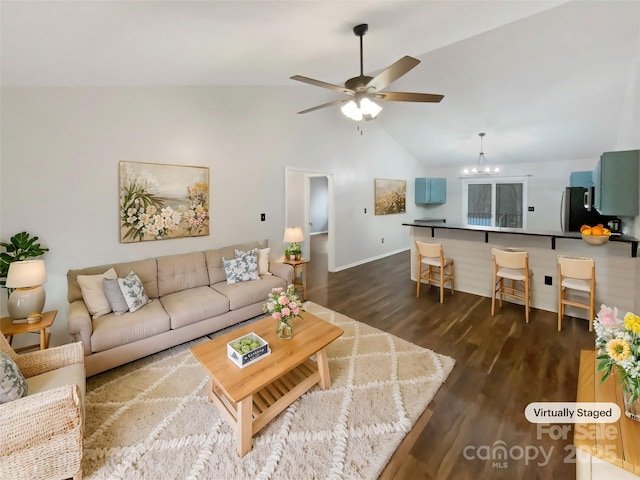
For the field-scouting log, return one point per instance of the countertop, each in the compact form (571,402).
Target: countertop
(519,231)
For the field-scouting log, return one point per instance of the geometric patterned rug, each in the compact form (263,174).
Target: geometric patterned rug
(151,419)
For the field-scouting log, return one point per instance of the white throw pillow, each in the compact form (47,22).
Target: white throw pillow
(133,292)
(263,261)
(93,292)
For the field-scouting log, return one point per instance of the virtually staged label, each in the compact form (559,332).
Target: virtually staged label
(572,412)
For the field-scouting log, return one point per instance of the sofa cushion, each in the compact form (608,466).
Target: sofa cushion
(246,293)
(93,292)
(12,382)
(192,305)
(181,272)
(112,331)
(147,271)
(57,378)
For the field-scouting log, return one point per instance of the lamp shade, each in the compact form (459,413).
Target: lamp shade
(26,273)
(293,234)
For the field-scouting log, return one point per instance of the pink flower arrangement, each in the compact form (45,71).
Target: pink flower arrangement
(608,316)
(283,304)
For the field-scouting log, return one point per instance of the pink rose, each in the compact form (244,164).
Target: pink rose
(276,315)
(296,311)
(283,300)
(286,312)
(608,316)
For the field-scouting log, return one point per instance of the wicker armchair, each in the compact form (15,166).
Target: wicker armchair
(41,434)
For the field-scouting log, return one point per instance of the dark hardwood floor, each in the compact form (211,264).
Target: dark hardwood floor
(502,364)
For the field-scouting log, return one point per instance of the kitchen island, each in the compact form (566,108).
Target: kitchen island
(617,265)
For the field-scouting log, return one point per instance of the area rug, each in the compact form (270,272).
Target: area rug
(151,419)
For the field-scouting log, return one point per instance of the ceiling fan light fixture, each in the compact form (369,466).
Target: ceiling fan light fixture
(363,109)
(370,108)
(351,110)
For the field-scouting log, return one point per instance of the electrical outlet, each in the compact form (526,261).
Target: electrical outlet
(548,280)
(365,210)
(532,209)
(263,217)
(382,239)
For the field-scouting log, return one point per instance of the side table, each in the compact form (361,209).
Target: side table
(299,270)
(9,329)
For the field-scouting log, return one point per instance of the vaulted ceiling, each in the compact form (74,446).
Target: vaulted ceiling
(544,80)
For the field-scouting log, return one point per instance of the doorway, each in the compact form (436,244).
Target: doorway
(300,194)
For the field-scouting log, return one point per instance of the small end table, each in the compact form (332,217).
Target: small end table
(9,329)
(299,266)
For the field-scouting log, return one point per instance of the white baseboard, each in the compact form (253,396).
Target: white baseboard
(371,259)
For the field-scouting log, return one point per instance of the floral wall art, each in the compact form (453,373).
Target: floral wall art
(160,201)
(390,196)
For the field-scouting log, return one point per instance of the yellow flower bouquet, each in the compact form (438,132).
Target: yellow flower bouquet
(618,343)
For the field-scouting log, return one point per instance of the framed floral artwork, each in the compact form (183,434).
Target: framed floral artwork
(159,201)
(390,196)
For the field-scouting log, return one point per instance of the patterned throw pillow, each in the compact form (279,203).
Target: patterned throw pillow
(12,382)
(243,268)
(133,292)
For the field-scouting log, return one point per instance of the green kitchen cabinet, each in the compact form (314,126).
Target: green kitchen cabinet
(616,179)
(431,190)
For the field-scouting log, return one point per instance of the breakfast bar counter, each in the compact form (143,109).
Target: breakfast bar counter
(617,264)
(552,235)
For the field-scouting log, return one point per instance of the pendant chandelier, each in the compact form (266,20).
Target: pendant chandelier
(482,165)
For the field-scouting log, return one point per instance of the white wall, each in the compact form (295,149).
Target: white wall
(61,147)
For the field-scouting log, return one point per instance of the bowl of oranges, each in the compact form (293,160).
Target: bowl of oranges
(596,235)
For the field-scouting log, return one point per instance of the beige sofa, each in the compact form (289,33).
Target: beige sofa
(189,296)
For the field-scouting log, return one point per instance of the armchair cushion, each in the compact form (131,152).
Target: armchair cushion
(12,382)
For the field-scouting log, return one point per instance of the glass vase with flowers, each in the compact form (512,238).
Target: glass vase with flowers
(283,305)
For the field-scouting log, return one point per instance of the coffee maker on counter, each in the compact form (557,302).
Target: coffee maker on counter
(615,226)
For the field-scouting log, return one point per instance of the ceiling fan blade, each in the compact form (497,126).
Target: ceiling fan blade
(409,97)
(318,107)
(392,73)
(319,83)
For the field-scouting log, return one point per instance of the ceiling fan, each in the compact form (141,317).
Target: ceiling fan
(363,89)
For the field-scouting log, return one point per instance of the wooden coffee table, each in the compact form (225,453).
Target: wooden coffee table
(251,397)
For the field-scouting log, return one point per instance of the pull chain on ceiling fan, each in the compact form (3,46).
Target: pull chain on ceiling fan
(362,90)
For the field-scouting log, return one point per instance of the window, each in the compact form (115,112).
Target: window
(490,202)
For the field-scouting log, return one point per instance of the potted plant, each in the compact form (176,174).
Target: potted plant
(295,251)
(20,247)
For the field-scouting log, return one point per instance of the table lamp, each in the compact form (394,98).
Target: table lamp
(26,278)
(294,235)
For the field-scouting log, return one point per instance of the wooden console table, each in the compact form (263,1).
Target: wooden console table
(611,450)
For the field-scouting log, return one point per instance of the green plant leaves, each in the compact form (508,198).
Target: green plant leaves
(20,247)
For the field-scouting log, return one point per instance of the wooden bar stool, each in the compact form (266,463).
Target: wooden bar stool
(576,273)
(431,255)
(511,264)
